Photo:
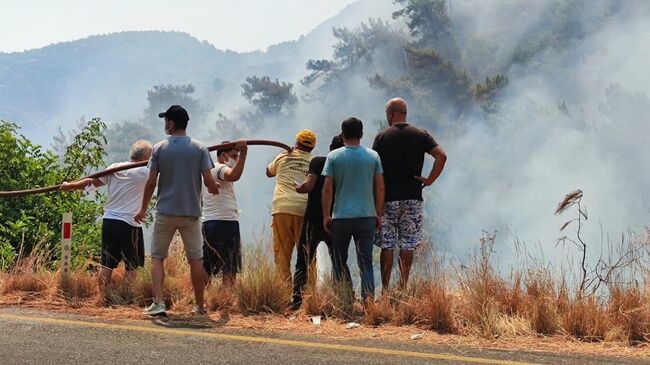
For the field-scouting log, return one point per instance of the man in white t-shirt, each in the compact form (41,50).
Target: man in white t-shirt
(122,237)
(221,237)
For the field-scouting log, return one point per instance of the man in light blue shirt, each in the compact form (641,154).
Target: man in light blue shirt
(356,174)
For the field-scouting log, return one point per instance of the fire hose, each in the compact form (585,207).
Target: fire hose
(223,146)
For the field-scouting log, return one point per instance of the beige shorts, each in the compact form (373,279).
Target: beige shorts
(164,228)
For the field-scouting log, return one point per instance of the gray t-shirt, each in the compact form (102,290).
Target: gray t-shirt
(180,161)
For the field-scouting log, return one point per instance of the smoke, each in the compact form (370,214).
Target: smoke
(356,98)
(573,116)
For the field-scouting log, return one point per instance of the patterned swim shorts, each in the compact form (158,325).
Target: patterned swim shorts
(401,225)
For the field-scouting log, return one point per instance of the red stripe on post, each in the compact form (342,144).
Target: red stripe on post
(67,230)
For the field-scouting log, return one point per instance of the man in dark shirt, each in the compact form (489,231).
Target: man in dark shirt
(313,232)
(401,148)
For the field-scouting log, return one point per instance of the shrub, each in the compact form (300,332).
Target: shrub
(259,289)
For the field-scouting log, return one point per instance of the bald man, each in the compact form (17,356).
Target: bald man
(402,148)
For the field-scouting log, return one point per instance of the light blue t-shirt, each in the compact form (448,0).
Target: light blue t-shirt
(354,170)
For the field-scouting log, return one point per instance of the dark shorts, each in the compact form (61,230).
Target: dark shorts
(221,247)
(121,241)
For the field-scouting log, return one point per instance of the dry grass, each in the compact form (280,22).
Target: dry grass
(320,301)
(380,311)
(122,292)
(629,310)
(541,302)
(585,319)
(330,300)
(473,300)
(29,274)
(259,289)
(424,304)
(488,305)
(434,309)
(33,283)
(220,297)
(77,286)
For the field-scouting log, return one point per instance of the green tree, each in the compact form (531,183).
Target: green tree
(430,25)
(29,220)
(430,79)
(425,18)
(486,93)
(358,53)
(270,97)
(160,97)
(122,135)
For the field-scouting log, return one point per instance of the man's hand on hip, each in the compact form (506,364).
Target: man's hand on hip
(140,217)
(425,181)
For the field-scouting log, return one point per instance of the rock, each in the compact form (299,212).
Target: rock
(352,325)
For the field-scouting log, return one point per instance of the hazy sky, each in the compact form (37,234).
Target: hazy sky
(240,25)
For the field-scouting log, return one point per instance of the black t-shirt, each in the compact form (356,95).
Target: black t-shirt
(401,148)
(314,212)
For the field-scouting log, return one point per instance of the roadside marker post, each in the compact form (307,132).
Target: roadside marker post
(66,243)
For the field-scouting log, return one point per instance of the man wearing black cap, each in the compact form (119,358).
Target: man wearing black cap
(313,232)
(177,166)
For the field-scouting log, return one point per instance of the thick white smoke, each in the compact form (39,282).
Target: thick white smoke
(580,126)
(574,115)
(572,124)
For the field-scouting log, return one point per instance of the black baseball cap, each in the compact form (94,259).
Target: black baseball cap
(176,113)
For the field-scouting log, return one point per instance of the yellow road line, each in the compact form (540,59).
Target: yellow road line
(265,340)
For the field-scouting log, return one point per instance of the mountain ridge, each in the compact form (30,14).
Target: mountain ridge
(108,75)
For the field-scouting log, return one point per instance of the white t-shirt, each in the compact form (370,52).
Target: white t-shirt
(223,206)
(125,191)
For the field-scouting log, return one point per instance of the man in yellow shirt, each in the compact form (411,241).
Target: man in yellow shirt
(290,170)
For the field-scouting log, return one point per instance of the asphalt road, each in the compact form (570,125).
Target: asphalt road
(37,337)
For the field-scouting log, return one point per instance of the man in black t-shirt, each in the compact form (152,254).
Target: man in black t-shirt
(313,232)
(401,148)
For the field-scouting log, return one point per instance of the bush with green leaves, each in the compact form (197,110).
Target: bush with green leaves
(25,221)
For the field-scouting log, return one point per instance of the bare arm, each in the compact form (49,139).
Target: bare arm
(81,184)
(308,185)
(149,188)
(380,192)
(440,159)
(235,173)
(328,193)
(210,182)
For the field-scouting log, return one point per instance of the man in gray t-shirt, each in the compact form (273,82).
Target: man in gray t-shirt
(180,161)
(177,166)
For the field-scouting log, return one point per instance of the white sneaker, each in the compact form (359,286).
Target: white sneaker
(199,310)
(155,309)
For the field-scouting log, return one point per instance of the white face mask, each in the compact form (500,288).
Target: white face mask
(230,162)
